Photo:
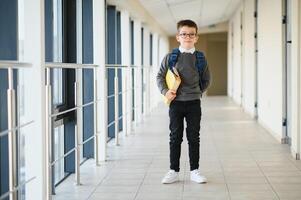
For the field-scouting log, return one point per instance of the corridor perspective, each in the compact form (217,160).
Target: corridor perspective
(82,118)
(240,159)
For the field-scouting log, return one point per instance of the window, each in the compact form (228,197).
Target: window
(57,52)
(58,152)
(58,87)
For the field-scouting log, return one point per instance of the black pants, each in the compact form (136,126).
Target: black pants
(191,111)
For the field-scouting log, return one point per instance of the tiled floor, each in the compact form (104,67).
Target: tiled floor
(240,159)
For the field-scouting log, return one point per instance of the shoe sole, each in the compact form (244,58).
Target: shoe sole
(202,182)
(170,182)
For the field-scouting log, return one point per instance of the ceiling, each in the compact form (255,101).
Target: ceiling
(204,12)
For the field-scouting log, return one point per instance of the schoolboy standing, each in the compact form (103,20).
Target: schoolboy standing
(195,78)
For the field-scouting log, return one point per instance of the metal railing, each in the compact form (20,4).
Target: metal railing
(139,105)
(14,186)
(78,108)
(125,111)
(116,94)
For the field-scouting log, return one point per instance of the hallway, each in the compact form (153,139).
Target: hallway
(240,159)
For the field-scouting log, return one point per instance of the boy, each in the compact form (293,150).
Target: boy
(185,101)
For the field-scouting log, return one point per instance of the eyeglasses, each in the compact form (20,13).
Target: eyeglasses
(190,35)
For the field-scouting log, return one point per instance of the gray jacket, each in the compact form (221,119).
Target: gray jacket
(191,87)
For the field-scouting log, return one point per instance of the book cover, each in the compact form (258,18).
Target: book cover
(173,82)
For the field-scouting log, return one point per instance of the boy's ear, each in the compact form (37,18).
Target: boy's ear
(196,37)
(177,37)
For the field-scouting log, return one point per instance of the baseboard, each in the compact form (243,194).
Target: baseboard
(295,154)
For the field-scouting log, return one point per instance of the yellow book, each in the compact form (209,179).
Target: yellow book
(173,82)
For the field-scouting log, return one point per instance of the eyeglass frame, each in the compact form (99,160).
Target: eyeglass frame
(190,35)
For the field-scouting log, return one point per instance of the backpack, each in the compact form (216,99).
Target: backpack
(200,61)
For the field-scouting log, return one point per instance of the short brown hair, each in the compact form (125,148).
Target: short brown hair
(187,22)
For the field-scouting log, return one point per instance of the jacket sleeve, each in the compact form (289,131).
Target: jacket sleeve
(205,78)
(161,82)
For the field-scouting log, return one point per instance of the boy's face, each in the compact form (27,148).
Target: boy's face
(187,37)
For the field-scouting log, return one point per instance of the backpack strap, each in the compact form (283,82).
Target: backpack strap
(200,64)
(173,58)
(200,61)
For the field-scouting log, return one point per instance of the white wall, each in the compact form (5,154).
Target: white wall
(298,138)
(137,62)
(295,79)
(146,84)
(154,69)
(99,59)
(236,62)
(270,62)
(270,66)
(34,99)
(230,60)
(163,50)
(126,74)
(249,57)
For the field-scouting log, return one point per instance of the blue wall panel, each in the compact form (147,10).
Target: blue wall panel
(111,59)
(111,103)
(88,116)
(69,56)
(49,30)
(151,49)
(88,82)
(8,51)
(8,31)
(3,126)
(119,70)
(69,138)
(133,71)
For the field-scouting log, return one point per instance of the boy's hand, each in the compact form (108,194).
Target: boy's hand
(170,95)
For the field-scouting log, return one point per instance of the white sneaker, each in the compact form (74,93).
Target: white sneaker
(171,177)
(197,177)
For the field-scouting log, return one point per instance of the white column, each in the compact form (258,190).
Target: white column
(161,48)
(295,79)
(249,57)
(299,86)
(146,70)
(34,98)
(155,93)
(137,74)
(79,92)
(99,59)
(270,88)
(126,73)
(236,62)
(230,59)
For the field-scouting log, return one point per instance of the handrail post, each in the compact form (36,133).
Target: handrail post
(11,135)
(48,137)
(116,107)
(96,142)
(78,131)
(130,99)
(148,91)
(125,127)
